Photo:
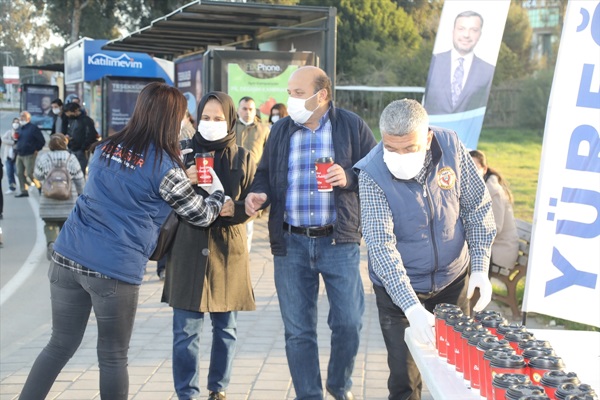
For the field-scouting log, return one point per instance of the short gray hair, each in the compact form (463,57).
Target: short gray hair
(402,117)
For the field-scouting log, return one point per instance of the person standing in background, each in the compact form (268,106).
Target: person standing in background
(30,141)
(59,124)
(55,212)
(505,249)
(278,111)
(81,133)
(251,134)
(315,234)
(9,156)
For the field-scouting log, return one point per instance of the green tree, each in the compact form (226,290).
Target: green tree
(22,32)
(514,57)
(371,34)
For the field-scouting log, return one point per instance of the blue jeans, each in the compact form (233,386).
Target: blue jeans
(297,283)
(187,326)
(10,173)
(73,296)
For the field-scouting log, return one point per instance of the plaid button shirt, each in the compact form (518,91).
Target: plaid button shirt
(305,205)
(378,227)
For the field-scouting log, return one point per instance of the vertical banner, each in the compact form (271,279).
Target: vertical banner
(562,276)
(463,63)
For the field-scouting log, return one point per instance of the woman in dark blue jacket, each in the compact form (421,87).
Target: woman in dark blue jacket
(135,178)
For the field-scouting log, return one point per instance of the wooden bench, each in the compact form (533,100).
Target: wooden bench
(511,276)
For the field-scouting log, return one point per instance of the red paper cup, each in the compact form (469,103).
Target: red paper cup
(460,326)
(538,366)
(484,346)
(552,380)
(451,320)
(204,161)
(322,165)
(474,362)
(502,382)
(507,364)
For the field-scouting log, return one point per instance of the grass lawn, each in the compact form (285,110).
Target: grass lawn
(516,155)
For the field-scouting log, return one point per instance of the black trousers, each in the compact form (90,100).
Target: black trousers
(404,382)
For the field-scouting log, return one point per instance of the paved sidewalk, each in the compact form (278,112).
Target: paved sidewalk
(260,370)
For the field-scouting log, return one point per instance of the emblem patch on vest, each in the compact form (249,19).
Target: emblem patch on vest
(446,178)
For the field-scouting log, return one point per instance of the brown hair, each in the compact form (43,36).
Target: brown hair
(58,141)
(156,119)
(482,160)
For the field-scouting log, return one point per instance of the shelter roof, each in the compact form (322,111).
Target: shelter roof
(203,23)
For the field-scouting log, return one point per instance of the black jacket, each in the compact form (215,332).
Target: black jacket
(352,140)
(82,133)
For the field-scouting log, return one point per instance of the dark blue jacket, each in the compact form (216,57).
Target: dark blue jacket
(352,140)
(30,140)
(429,231)
(115,223)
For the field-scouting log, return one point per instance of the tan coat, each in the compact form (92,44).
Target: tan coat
(505,248)
(252,137)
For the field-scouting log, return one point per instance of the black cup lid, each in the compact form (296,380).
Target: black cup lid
(452,318)
(556,378)
(586,396)
(493,320)
(538,352)
(484,313)
(508,361)
(546,362)
(535,397)
(460,326)
(526,344)
(491,342)
(507,380)
(203,155)
(515,392)
(489,354)
(512,327)
(571,388)
(473,330)
(474,340)
(325,160)
(517,336)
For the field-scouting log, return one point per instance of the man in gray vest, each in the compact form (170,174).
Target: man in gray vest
(428,225)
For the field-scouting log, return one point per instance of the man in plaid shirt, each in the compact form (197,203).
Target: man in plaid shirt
(426,217)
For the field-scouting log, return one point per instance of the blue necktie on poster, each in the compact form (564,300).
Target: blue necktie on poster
(463,64)
(457,80)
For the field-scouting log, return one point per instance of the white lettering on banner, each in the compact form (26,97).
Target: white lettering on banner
(562,278)
(124,61)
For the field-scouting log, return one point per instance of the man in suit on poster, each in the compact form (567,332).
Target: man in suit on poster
(458,80)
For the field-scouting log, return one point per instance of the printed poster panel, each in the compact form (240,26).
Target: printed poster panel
(120,96)
(37,100)
(188,79)
(564,263)
(266,91)
(463,64)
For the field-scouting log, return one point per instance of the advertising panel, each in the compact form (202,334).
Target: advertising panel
(37,100)
(120,96)
(74,63)
(259,74)
(188,79)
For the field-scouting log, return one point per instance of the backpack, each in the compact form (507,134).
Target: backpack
(57,184)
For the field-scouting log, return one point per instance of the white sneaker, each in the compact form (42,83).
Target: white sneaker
(9,191)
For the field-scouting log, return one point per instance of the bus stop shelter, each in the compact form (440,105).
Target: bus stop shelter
(203,24)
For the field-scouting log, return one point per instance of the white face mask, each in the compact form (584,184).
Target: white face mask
(213,130)
(244,122)
(297,110)
(15,125)
(56,111)
(274,118)
(23,122)
(404,166)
